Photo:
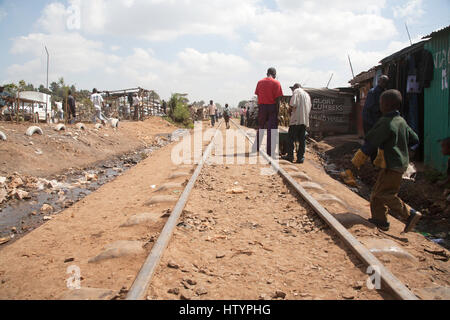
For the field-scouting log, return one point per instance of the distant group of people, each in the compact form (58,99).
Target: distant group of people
(214,114)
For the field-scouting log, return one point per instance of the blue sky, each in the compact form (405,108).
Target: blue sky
(216,49)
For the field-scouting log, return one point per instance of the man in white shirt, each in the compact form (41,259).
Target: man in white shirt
(97,101)
(300,110)
(137,103)
(59,107)
(212,112)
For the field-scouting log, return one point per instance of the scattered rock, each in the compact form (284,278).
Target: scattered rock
(20,194)
(68,203)
(16,182)
(348,296)
(69,260)
(91,177)
(201,291)
(237,190)
(358,285)
(47,218)
(2,136)
(220,255)
(191,282)
(46,209)
(173,265)
(174,291)
(185,295)
(3,195)
(4,240)
(279,294)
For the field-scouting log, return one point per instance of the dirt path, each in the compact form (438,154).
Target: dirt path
(262,243)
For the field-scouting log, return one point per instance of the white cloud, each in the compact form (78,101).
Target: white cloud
(411,10)
(306,41)
(159,20)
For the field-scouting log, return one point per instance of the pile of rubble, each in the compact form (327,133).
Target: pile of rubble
(20,187)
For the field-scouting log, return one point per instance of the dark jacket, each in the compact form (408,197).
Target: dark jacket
(371,111)
(392,134)
(71,102)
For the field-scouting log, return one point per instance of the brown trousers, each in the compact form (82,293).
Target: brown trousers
(385,198)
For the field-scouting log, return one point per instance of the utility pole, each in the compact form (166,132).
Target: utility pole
(48,59)
(351,66)
(330,80)
(409,35)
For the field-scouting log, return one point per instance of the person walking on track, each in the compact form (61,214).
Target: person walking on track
(212,112)
(226,116)
(269,94)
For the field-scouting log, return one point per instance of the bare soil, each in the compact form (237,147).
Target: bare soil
(264,243)
(56,152)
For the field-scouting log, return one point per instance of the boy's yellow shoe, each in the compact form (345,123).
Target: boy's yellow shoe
(359,159)
(380,161)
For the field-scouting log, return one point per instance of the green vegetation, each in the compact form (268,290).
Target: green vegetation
(179,111)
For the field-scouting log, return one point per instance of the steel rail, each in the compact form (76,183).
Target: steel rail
(143,279)
(394,284)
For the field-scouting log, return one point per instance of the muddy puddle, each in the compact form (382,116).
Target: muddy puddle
(17,218)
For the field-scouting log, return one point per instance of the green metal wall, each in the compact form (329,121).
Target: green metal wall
(437,100)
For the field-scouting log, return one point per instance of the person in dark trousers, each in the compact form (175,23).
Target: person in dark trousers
(212,112)
(371,111)
(242,116)
(226,116)
(300,110)
(269,94)
(72,108)
(392,137)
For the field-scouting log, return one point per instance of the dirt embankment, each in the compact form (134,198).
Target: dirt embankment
(55,152)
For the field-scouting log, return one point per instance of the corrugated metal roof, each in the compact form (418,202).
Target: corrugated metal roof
(414,47)
(364,76)
(446,29)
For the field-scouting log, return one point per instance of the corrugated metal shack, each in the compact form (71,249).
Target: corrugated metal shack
(437,100)
(420,73)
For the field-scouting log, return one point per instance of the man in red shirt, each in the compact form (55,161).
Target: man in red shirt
(269,93)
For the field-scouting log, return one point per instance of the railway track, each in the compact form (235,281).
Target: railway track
(218,263)
(246,228)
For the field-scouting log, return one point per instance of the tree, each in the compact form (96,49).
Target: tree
(242,104)
(179,110)
(54,88)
